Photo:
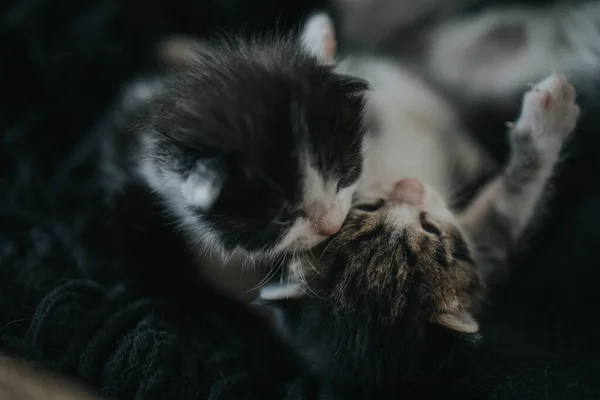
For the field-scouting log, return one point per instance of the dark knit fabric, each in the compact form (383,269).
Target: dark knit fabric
(65,306)
(126,344)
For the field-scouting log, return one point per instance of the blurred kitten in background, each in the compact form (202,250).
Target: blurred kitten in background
(486,54)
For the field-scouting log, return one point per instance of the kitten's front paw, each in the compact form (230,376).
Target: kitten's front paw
(549,111)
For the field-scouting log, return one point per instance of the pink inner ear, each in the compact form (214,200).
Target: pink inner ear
(319,38)
(330,46)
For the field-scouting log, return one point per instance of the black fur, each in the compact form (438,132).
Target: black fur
(242,115)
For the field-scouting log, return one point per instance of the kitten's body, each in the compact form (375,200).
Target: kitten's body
(416,131)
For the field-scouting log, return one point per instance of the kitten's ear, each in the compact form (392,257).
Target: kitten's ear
(179,51)
(460,321)
(318,37)
(202,186)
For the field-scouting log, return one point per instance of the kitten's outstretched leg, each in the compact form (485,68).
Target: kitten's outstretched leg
(502,210)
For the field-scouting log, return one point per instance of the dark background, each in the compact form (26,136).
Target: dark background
(61,64)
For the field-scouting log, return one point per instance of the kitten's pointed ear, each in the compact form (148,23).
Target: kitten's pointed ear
(179,51)
(460,321)
(318,38)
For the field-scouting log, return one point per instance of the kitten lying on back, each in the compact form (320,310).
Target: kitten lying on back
(378,303)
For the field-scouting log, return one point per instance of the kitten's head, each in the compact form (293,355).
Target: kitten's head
(256,145)
(388,296)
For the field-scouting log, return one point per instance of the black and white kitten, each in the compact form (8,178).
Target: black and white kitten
(250,146)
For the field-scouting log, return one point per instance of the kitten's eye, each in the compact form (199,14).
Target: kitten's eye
(428,226)
(371,207)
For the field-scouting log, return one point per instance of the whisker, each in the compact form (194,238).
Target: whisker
(269,275)
(312,266)
(331,241)
(303,281)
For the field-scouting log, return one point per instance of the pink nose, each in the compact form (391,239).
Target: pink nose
(328,230)
(409,191)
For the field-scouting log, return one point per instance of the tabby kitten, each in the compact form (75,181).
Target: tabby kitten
(378,303)
(253,146)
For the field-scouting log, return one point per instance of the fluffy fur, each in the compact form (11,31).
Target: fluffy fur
(251,146)
(406,265)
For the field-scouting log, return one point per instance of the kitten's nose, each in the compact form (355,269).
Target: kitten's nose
(409,191)
(329,223)
(328,230)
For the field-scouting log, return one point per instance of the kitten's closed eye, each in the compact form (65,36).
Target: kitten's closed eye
(299,213)
(289,214)
(429,226)
(371,207)
(352,174)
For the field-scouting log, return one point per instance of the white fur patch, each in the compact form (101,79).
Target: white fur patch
(199,191)
(275,291)
(173,193)
(141,92)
